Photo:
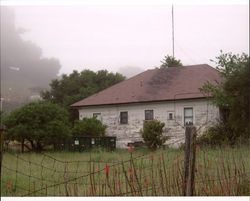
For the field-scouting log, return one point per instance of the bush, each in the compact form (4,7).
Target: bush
(39,123)
(89,127)
(152,134)
(212,137)
(221,134)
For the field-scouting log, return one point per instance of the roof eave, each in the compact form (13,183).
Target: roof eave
(138,102)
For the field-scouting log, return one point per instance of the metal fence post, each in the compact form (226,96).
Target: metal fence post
(189,161)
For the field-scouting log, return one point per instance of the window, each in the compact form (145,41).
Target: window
(149,114)
(170,116)
(188,115)
(123,117)
(97,116)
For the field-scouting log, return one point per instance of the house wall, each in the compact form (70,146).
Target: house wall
(204,114)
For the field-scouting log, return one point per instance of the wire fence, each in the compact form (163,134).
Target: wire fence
(159,173)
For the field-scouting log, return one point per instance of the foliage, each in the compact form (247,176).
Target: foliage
(221,134)
(23,66)
(152,134)
(76,86)
(40,123)
(214,136)
(88,127)
(170,61)
(232,95)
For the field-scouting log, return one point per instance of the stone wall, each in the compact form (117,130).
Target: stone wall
(204,114)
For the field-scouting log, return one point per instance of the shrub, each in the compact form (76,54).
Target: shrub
(212,137)
(221,134)
(89,127)
(152,134)
(40,123)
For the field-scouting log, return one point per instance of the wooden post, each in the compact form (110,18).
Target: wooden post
(189,161)
(190,183)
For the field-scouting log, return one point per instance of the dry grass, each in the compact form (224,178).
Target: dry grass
(222,171)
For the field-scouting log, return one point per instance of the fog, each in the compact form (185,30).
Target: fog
(112,37)
(39,43)
(24,72)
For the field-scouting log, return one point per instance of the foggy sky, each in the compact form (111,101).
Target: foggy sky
(112,37)
(115,37)
(24,71)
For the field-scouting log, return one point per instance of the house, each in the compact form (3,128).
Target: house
(171,95)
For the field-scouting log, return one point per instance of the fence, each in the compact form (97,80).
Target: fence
(161,173)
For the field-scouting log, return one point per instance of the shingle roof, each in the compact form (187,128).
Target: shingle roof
(156,85)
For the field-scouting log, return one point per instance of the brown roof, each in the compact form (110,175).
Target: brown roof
(156,85)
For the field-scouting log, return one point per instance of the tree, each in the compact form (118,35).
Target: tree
(76,86)
(152,134)
(232,96)
(40,123)
(22,65)
(170,61)
(89,127)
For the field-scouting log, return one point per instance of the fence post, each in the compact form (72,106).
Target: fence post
(189,161)
(1,153)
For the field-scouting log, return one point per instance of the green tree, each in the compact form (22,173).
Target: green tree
(40,123)
(232,96)
(152,134)
(88,127)
(170,61)
(76,86)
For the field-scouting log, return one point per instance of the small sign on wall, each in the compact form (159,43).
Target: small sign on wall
(76,142)
(93,141)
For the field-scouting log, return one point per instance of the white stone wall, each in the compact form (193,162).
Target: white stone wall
(204,114)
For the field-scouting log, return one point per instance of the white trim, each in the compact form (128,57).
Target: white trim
(183,118)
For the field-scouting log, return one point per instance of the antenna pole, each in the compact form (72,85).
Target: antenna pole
(173,27)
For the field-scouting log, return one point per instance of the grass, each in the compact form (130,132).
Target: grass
(219,171)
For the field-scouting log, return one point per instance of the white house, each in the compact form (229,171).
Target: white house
(171,95)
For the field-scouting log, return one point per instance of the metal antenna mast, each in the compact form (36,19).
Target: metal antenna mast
(173,27)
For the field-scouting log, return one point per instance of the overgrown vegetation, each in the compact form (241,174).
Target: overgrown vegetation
(214,136)
(88,127)
(39,123)
(152,134)
(233,98)
(219,172)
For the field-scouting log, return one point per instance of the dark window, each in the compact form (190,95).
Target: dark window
(170,116)
(123,117)
(188,115)
(149,114)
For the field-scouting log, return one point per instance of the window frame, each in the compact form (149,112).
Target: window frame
(172,114)
(151,116)
(122,117)
(188,117)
